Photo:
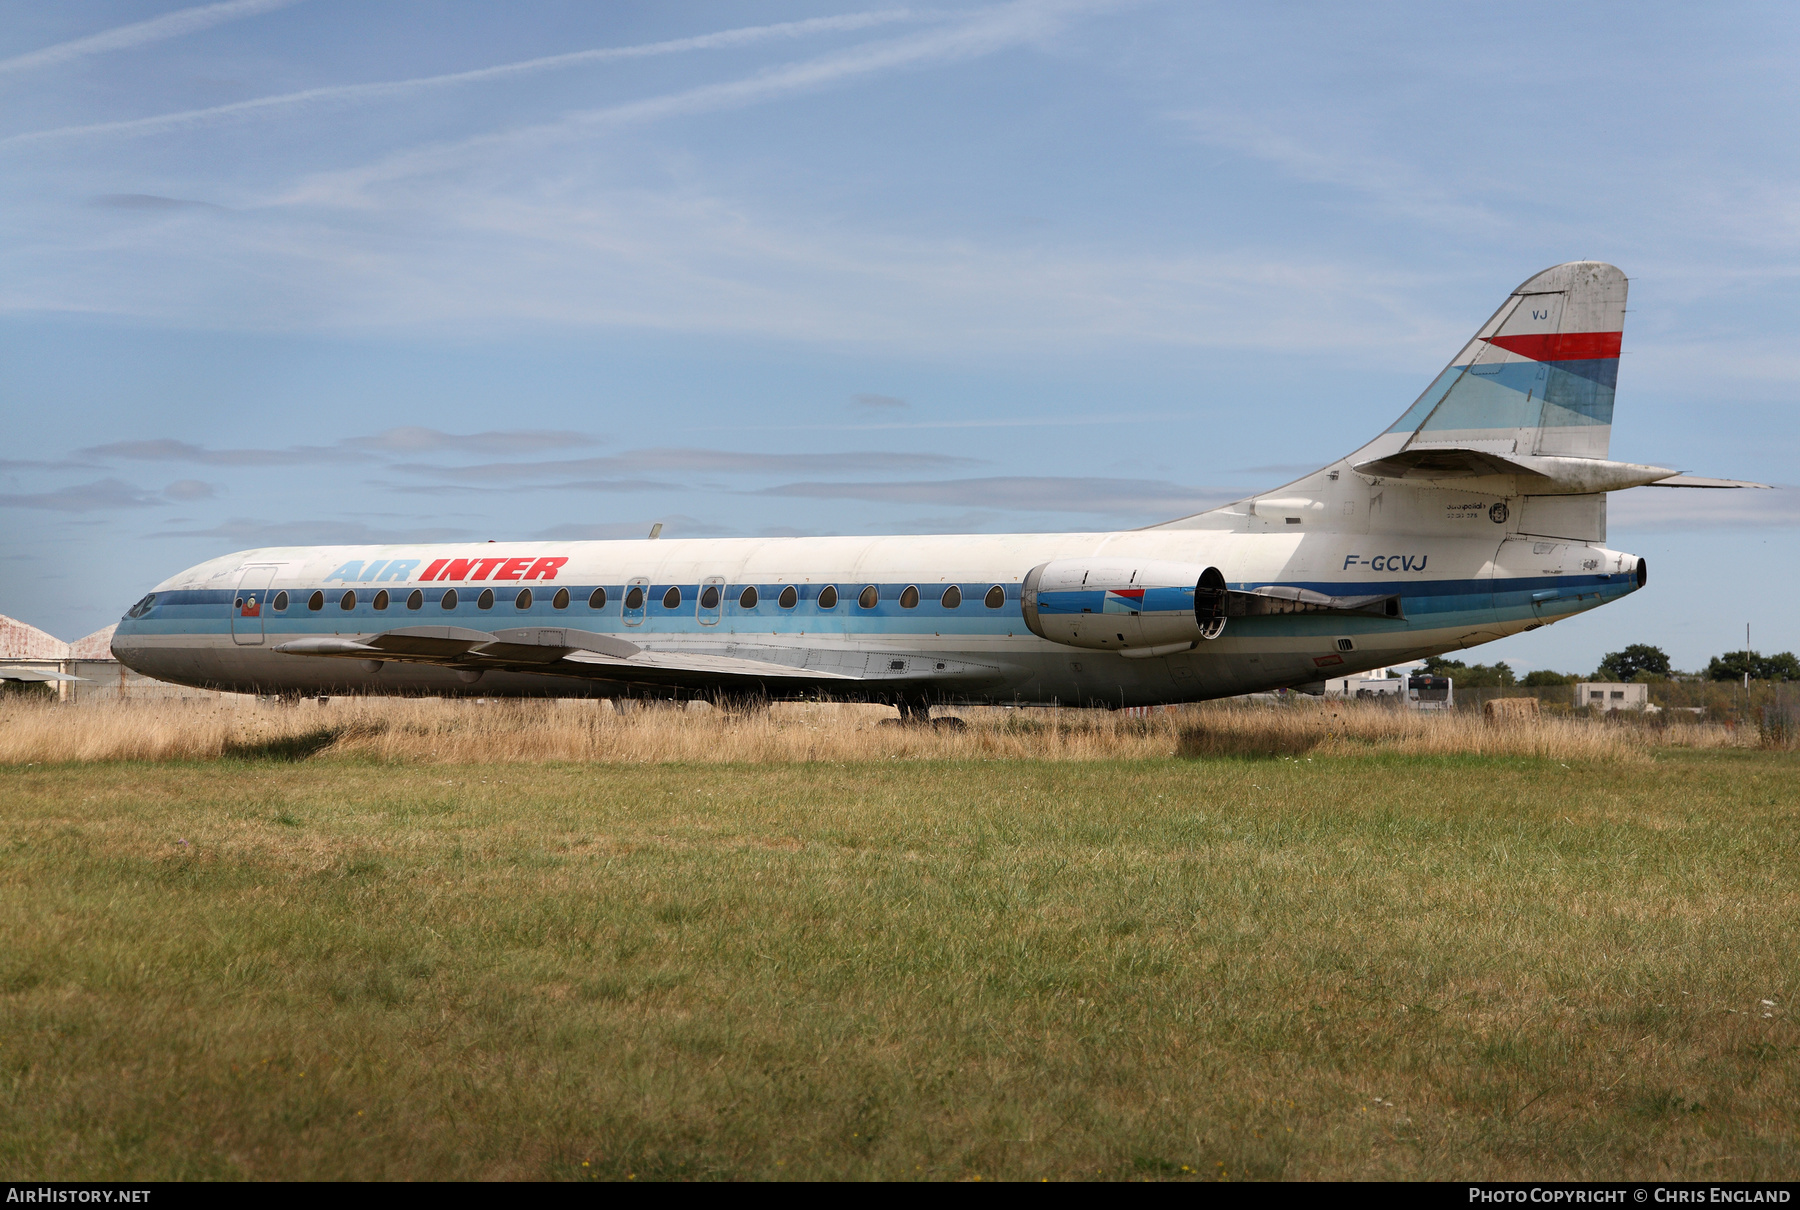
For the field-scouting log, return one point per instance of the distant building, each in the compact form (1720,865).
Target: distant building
(1612,695)
(1418,692)
(1367,685)
(82,671)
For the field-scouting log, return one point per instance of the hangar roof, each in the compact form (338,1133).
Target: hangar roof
(96,646)
(23,641)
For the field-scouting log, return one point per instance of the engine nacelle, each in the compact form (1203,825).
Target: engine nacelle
(1132,606)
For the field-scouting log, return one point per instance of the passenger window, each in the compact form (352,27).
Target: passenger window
(952,597)
(748,598)
(709,597)
(560,600)
(449,598)
(523,600)
(828,597)
(909,597)
(347,601)
(868,597)
(996,597)
(635,598)
(789,598)
(280,602)
(672,598)
(415,599)
(381,599)
(316,602)
(597,599)
(485,600)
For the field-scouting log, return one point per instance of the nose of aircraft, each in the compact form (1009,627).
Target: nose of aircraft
(161,649)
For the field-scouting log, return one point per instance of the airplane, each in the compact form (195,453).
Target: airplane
(1479,514)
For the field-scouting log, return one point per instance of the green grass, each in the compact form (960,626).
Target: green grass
(1374,967)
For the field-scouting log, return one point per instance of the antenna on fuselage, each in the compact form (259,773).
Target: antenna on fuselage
(656,530)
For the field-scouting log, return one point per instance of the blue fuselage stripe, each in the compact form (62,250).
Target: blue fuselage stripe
(1425,602)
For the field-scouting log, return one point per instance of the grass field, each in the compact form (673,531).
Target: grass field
(1350,961)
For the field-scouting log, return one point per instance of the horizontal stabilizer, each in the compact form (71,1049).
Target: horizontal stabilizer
(1541,475)
(1702,481)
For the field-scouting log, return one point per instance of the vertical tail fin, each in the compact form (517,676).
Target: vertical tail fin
(1538,378)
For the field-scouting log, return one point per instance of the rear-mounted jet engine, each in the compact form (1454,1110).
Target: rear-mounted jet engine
(1143,608)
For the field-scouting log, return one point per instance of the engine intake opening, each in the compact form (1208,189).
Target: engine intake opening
(1209,603)
(1643,572)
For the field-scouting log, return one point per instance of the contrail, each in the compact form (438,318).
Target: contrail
(169,25)
(391,88)
(985,32)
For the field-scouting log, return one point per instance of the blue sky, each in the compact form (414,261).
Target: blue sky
(317,271)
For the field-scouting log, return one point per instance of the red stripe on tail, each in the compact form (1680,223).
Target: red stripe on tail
(1561,346)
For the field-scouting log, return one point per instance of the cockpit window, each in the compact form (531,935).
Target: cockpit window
(142,607)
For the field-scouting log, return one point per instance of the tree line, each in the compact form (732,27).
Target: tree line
(1638,662)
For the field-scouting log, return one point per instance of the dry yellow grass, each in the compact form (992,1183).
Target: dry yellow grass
(432,730)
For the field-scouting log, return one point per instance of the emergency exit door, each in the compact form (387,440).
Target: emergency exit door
(249,604)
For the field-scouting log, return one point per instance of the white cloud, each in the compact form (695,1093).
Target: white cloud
(250,531)
(412,439)
(1328,159)
(1027,493)
(98,496)
(190,489)
(693,462)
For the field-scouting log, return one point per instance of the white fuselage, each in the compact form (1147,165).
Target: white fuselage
(219,624)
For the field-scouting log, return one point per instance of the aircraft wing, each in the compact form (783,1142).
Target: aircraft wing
(555,651)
